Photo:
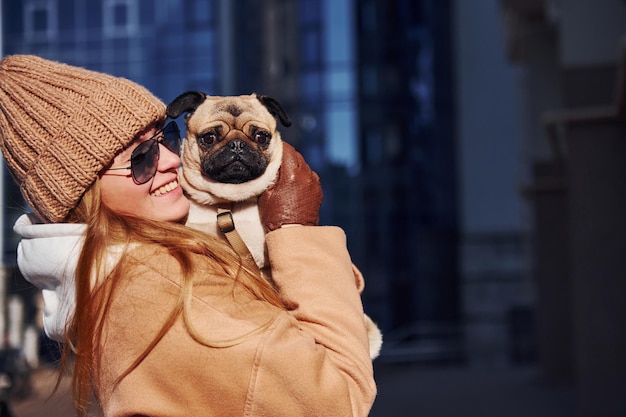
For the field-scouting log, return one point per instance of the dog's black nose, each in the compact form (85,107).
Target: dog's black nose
(237,145)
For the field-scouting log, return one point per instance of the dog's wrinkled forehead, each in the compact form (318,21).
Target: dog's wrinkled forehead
(235,111)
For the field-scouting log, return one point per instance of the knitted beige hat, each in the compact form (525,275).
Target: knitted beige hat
(60,125)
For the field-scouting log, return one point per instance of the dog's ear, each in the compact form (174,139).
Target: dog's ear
(186,102)
(275,109)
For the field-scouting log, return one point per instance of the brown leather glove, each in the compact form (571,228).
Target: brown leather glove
(295,197)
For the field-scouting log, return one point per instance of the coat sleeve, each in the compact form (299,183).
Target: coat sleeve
(318,352)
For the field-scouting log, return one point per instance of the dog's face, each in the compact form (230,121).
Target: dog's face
(232,150)
(233,138)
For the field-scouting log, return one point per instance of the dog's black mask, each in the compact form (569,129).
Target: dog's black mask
(236,162)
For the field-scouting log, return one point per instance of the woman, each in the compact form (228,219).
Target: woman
(163,320)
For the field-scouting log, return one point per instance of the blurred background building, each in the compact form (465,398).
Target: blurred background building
(473,152)
(369,85)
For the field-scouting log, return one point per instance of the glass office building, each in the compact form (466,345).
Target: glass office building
(367,83)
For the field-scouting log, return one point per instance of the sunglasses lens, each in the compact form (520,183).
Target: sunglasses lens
(145,157)
(171,137)
(144,160)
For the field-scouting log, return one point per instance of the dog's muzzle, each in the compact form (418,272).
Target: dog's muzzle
(235,163)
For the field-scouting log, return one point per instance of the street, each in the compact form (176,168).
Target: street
(404,390)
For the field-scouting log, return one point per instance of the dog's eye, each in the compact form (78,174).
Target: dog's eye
(207,139)
(262,137)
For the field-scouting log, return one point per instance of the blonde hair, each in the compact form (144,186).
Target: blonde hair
(104,228)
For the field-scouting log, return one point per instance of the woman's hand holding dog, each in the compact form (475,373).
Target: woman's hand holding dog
(296,195)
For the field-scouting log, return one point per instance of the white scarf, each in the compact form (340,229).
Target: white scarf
(47,257)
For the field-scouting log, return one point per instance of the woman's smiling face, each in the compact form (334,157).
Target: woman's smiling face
(161,198)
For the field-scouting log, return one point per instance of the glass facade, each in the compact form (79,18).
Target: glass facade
(367,84)
(408,229)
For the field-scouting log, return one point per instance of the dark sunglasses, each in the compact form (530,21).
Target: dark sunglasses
(145,157)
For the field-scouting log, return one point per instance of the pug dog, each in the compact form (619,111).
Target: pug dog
(232,152)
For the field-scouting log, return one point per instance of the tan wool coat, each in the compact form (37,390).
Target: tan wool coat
(311,360)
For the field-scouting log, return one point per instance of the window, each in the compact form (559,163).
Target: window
(200,12)
(40,20)
(120,18)
(369,81)
(369,19)
(309,12)
(310,48)
(311,86)
(373,147)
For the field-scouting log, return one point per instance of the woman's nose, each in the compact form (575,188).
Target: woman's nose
(167,158)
